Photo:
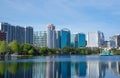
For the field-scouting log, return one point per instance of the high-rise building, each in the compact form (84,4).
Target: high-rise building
(9,30)
(73,40)
(95,39)
(58,37)
(65,38)
(51,36)
(20,34)
(29,35)
(115,41)
(2,36)
(80,40)
(40,39)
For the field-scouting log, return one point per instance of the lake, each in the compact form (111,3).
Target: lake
(74,66)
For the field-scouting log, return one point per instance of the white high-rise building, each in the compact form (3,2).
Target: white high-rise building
(51,36)
(95,39)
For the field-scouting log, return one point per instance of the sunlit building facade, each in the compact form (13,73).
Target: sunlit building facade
(40,39)
(51,36)
(95,39)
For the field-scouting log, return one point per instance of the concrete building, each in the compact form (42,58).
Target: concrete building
(19,33)
(95,39)
(115,41)
(2,36)
(29,35)
(51,36)
(9,30)
(40,39)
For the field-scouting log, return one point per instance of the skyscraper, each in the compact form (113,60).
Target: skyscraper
(40,39)
(95,39)
(115,41)
(73,40)
(80,40)
(51,36)
(2,36)
(20,34)
(65,38)
(29,35)
(58,37)
(9,30)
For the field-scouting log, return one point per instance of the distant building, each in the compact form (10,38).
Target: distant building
(95,39)
(40,39)
(65,38)
(115,41)
(80,40)
(73,40)
(58,37)
(2,36)
(9,30)
(51,36)
(29,35)
(20,34)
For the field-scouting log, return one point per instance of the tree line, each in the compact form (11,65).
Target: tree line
(27,49)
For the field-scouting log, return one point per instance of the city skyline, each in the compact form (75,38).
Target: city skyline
(79,16)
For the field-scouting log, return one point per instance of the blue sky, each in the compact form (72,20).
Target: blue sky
(77,15)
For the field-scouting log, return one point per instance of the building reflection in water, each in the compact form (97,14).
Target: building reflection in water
(96,69)
(114,67)
(90,69)
(15,70)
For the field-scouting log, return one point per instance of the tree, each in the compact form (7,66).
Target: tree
(3,47)
(43,51)
(27,49)
(31,51)
(66,50)
(14,47)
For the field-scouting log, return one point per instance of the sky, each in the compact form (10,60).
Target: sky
(77,15)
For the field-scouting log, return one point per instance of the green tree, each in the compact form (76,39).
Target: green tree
(27,49)
(31,51)
(12,67)
(14,47)
(2,68)
(66,50)
(3,47)
(43,51)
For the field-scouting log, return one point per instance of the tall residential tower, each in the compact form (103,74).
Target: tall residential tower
(51,36)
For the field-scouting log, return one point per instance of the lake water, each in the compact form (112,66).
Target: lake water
(60,67)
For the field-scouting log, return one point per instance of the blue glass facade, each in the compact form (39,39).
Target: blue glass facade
(81,40)
(20,34)
(65,38)
(17,33)
(29,35)
(73,40)
(58,37)
(9,30)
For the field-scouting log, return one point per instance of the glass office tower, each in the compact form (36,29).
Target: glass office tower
(65,38)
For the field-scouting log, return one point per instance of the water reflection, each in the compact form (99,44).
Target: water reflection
(52,69)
